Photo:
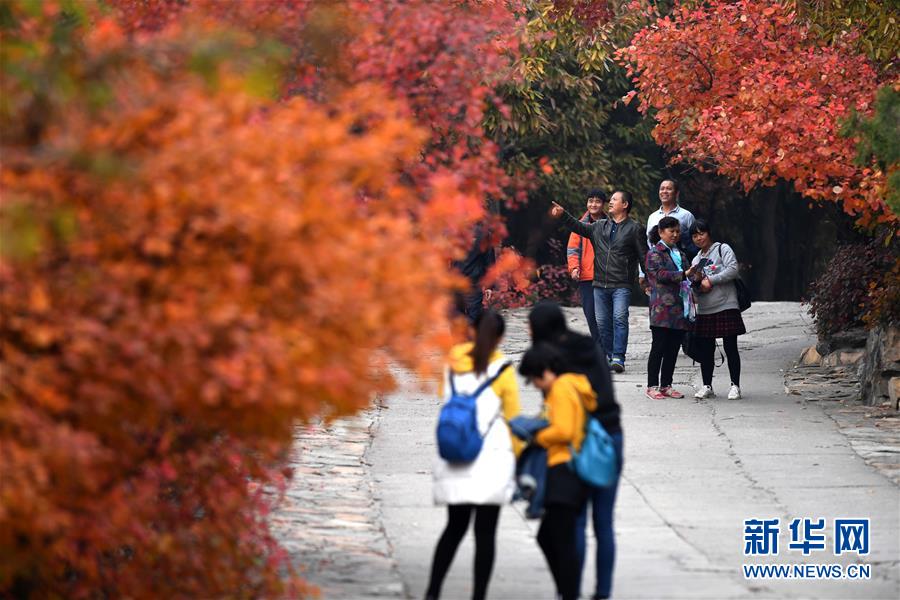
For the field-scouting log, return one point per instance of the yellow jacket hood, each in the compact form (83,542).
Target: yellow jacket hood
(461,360)
(584,389)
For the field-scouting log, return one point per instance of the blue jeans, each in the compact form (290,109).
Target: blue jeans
(586,291)
(603,501)
(611,307)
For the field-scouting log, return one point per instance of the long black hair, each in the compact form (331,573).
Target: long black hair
(548,324)
(489,328)
(579,353)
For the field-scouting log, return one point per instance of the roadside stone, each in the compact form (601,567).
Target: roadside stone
(891,352)
(823,347)
(810,357)
(882,362)
(816,383)
(851,358)
(854,337)
(831,360)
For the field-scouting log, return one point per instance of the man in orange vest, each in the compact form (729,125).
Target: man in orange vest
(580,258)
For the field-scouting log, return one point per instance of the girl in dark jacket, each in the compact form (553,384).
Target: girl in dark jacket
(671,303)
(581,355)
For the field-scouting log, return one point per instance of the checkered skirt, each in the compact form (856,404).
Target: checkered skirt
(720,324)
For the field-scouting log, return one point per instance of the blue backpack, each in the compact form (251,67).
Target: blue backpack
(596,463)
(458,438)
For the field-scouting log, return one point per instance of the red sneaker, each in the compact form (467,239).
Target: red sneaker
(670,392)
(654,394)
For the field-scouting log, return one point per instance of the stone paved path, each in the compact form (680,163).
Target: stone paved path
(359,512)
(330,521)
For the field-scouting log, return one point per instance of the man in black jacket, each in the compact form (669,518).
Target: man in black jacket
(619,247)
(475,266)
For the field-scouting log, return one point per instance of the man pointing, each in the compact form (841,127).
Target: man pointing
(619,247)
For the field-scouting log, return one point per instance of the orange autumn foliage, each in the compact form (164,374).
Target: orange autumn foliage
(188,268)
(441,60)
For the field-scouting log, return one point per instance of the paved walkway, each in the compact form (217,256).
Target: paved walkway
(694,471)
(329,520)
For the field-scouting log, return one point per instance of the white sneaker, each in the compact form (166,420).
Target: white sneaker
(734,393)
(705,392)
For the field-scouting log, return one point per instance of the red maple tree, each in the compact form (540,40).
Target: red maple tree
(743,88)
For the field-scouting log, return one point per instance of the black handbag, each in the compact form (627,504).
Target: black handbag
(689,346)
(743,294)
(690,349)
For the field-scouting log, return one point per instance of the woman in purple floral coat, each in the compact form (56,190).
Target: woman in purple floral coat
(671,306)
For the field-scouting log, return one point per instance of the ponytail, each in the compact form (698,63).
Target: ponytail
(489,329)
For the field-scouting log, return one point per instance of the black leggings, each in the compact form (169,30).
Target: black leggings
(664,352)
(486,516)
(706,349)
(557,539)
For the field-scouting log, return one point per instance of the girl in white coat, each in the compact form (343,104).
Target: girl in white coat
(482,486)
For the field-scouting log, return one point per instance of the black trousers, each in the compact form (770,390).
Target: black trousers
(663,354)
(458,517)
(706,349)
(557,539)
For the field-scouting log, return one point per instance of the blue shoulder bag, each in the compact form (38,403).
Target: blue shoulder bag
(596,462)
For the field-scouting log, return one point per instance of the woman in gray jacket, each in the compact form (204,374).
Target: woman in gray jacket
(718,315)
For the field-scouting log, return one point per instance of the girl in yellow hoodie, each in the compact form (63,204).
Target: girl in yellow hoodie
(566,398)
(484,485)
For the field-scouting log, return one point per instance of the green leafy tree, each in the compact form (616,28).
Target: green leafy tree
(879,140)
(565,118)
(873,24)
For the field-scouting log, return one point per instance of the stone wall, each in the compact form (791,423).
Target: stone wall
(874,357)
(880,368)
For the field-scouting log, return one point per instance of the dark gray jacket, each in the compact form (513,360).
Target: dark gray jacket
(615,265)
(479,259)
